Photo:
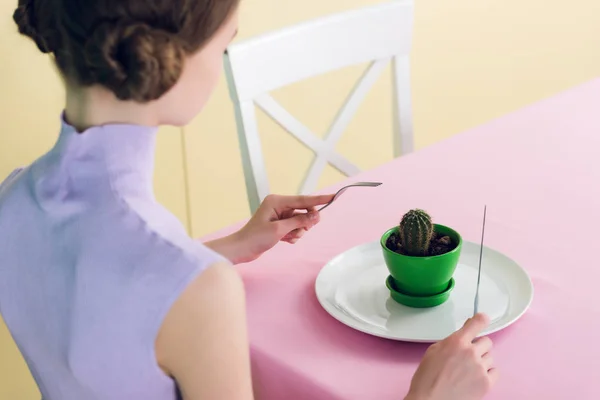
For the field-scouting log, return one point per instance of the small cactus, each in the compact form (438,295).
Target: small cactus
(416,232)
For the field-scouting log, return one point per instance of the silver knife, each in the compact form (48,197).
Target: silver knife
(476,307)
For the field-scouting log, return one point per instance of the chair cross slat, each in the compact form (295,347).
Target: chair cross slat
(377,34)
(288,122)
(341,122)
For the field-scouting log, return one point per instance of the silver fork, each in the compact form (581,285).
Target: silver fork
(342,190)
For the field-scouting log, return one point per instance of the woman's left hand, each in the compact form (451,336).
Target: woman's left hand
(279,218)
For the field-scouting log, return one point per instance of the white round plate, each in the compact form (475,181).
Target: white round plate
(351,288)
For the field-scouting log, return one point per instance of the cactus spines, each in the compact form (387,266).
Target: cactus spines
(415,231)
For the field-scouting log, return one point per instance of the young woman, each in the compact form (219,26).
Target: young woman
(101,288)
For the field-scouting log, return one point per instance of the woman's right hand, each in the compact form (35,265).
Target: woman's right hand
(458,368)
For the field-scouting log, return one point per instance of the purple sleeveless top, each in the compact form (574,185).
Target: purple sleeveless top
(90,264)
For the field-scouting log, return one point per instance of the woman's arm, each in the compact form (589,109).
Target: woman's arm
(279,218)
(231,247)
(203,342)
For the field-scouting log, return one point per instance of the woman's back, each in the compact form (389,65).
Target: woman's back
(90,264)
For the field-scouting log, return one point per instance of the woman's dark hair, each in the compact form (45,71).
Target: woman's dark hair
(135,48)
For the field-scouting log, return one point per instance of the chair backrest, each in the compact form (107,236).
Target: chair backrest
(378,34)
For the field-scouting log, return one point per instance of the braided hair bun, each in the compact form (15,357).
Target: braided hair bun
(133,60)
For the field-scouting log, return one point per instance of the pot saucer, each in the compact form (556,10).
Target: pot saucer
(418,301)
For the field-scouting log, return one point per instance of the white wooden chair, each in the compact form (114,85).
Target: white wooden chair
(378,34)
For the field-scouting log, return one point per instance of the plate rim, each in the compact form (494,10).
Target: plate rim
(485,332)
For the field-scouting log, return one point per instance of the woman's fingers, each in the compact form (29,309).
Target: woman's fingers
(297,201)
(483,345)
(493,375)
(299,221)
(294,235)
(488,361)
(472,327)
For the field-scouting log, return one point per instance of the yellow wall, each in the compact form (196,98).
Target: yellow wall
(473,60)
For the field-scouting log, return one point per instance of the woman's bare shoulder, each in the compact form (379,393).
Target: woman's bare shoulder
(203,340)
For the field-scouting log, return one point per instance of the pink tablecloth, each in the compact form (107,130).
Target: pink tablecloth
(538,170)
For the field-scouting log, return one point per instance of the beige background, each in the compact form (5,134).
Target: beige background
(473,60)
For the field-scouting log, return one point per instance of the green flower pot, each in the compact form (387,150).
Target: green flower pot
(422,276)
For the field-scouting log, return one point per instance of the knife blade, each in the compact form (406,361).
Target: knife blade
(476,305)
